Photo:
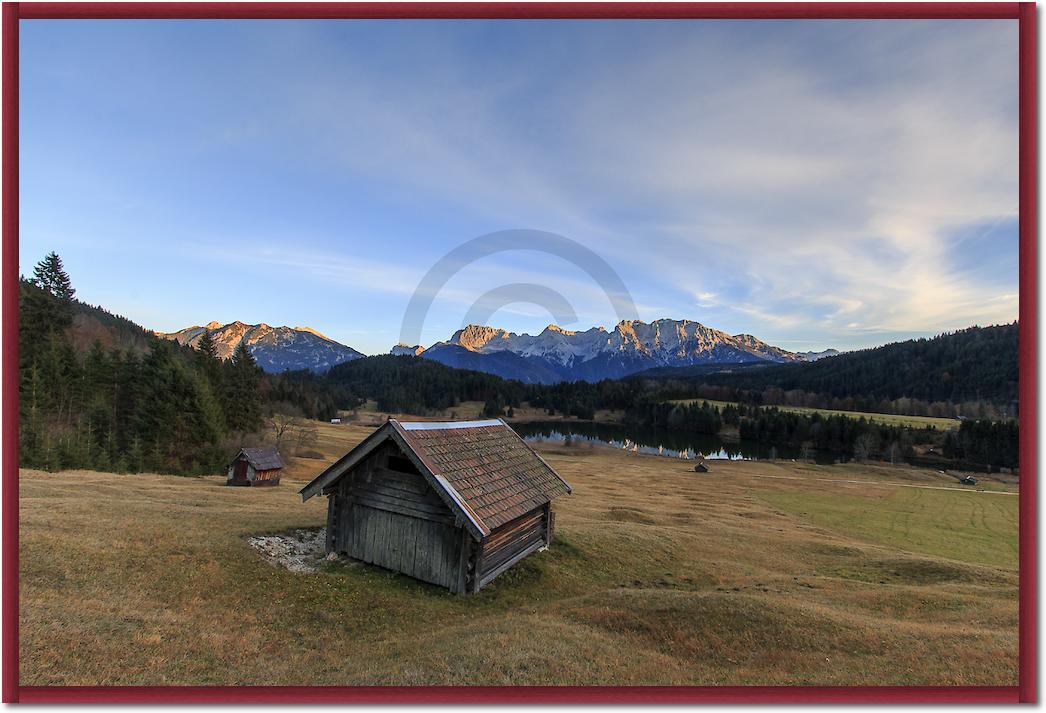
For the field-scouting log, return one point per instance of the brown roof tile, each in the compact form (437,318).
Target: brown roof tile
(496,475)
(261,458)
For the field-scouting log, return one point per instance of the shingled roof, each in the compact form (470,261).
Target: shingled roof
(483,468)
(261,458)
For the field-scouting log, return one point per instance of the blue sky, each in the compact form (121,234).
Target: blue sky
(815,183)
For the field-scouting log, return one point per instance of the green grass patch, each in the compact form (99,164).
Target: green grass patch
(969,527)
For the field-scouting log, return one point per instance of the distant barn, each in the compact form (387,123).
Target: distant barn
(451,503)
(255,466)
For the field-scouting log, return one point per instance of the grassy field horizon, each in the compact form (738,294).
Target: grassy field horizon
(884,418)
(754,573)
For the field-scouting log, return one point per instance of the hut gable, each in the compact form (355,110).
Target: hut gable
(263,458)
(455,503)
(255,466)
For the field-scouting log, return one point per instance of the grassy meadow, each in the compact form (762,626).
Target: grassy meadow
(753,573)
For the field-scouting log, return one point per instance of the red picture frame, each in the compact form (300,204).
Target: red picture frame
(1023,12)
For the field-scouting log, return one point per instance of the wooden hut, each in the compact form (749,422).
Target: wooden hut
(451,503)
(255,466)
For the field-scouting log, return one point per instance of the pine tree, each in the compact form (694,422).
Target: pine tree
(243,401)
(41,317)
(205,347)
(50,275)
(135,456)
(241,357)
(209,364)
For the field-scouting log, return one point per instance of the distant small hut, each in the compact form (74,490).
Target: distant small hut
(255,466)
(335,421)
(451,503)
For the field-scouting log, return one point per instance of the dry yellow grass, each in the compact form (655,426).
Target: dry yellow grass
(659,576)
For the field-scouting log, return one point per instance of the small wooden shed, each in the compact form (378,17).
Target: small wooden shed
(451,503)
(255,466)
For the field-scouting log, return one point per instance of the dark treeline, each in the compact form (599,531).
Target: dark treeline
(857,438)
(993,443)
(982,444)
(405,384)
(308,393)
(692,418)
(852,437)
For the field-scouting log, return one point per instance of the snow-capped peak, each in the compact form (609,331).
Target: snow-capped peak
(663,342)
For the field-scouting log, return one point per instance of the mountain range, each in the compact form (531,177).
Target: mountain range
(554,355)
(815,356)
(557,354)
(276,349)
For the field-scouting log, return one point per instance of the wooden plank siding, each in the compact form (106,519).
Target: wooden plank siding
(426,550)
(394,519)
(266,477)
(510,543)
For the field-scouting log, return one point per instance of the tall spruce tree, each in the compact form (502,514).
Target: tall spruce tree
(243,401)
(208,361)
(50,275)
(47,362)
(205,346)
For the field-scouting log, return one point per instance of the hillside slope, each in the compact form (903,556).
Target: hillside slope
(974,364)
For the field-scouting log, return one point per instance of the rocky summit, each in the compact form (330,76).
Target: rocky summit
(558,354)
(276,349)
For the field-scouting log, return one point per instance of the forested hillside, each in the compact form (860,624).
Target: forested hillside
(99,391)
(408,384)
(970,373)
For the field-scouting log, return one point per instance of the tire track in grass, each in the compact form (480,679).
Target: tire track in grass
(882,482)
(1007,514)
(1009,517)
(982,508)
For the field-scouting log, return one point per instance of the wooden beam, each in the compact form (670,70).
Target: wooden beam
(505,565)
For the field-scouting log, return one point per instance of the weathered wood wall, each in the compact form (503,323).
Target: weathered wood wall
(393,518)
